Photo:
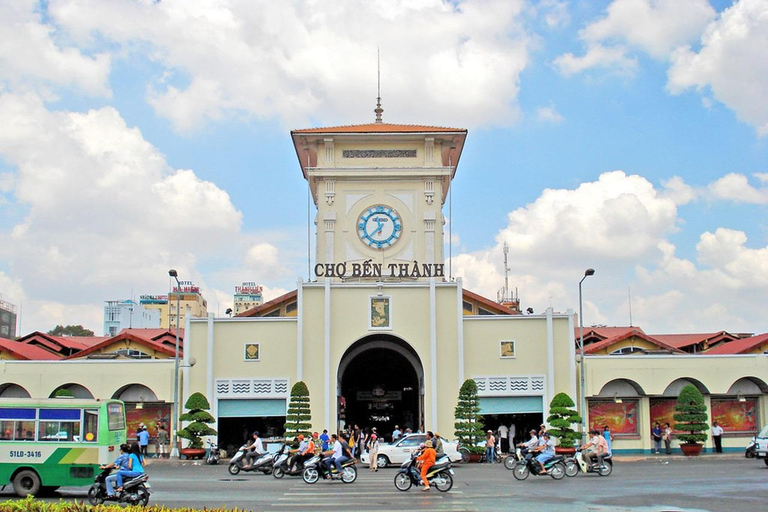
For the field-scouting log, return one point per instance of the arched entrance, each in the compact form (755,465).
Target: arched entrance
(381,384)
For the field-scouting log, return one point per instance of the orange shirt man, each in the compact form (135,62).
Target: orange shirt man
(426,460)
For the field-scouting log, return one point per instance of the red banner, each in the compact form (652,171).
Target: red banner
(620,418)
(735,416)
(151,415)
(663,411)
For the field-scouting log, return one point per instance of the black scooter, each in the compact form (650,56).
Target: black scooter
(555,468)
(439,476)
(135,491)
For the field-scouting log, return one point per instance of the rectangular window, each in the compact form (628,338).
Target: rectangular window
(507,349)
(91,425)
(59,431)
(13,413)
(115,416)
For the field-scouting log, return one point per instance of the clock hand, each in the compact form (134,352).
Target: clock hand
(380,225)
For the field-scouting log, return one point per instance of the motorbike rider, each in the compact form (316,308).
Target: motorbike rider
(253,451)
(121,462)
(546,451)
(305,452)
(529,445)
(134,469)
(599,448)
(336,455)
(426,460)
(437,443)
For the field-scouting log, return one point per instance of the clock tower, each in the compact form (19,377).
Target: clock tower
(379,190)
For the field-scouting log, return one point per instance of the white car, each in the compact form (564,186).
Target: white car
(399,451)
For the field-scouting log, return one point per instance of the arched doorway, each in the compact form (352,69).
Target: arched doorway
(381,384)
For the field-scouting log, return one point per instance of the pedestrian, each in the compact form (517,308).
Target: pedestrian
(656,434)
(143,436)
(503,433)
(490,446)
(511,437)
(667,439)
(162,441)
(396,434)
(324,438)
(608,438)
(373,452)
(717,437)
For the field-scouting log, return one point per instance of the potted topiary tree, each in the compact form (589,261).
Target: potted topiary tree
(298,414)
(691,417)
(200,418)
(561,417)
(469,430)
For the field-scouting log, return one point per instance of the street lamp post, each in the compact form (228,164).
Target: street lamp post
(583,391)
(175,425)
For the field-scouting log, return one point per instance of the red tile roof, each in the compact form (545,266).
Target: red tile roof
(628,333)
(64,344)
(25,351)
(269,305)
(158,346)
(686,340)
(380,128)
(488,303)
(606,332)
(739,346)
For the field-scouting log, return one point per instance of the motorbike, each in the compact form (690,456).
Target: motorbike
(749,452)
(135,490)
(264,463)
(511,460)
(604,469)
(213,453)
(282,464)
(315,468)
(439,476)
(555,468)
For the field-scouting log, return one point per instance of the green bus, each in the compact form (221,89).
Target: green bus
(46,444)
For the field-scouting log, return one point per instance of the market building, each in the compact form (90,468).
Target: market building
(384,333)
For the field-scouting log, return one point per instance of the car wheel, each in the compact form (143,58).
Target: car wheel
(382,461)
(403,482)
(443,482)
(521,471)
(26,482)
(464,454)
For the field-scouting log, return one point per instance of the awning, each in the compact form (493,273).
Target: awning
(254,408)
(511,404)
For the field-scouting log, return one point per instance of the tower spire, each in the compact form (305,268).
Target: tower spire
(378,110)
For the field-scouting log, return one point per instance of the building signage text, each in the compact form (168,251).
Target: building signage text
(368,269)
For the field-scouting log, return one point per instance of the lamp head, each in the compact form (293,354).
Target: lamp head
(173,272)
(589,272)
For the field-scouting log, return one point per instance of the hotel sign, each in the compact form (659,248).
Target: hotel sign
(368,269)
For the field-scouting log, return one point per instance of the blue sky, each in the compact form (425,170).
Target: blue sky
(630,136)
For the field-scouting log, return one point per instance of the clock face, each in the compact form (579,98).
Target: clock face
(379,227)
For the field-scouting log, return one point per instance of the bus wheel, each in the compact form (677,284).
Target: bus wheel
(26,482)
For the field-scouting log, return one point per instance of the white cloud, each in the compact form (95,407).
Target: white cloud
(621,226)
(262,59)
(655,27)
(736,187)
(105,212)
(549,114)
(31,56)
(732,63)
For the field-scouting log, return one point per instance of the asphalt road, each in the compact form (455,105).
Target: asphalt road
(726,483)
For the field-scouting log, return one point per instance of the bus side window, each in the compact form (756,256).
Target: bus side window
(91,426)
(6,430)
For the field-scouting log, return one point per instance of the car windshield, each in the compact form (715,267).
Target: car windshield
(764,432)
(412,441)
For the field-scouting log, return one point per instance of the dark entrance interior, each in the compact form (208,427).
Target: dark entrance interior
(380,388)
(523,422)
(233,432)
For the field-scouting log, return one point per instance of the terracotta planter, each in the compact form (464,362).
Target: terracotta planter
(691,449)
(475,457)
(193,453)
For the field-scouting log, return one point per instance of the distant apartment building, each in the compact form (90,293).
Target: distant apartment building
(247,296)
(189,299)
(7,320)
(128,314)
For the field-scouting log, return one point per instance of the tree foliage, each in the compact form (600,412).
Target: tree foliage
(199,419)
(562,416)
(691,415)
(70,330)
(469,428)
(298,416)
(63,392)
